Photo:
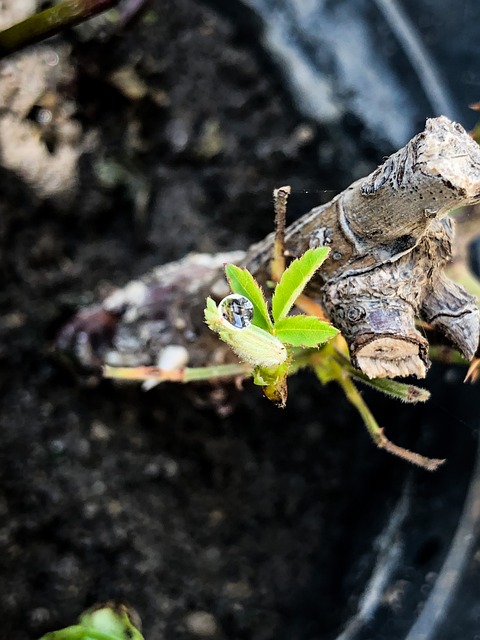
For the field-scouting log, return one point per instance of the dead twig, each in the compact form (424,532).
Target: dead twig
(390,240)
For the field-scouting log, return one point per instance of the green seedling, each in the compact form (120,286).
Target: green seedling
(273,343)
(107,622)
(269,342)
(278,346)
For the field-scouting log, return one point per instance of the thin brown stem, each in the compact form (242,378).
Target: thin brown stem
(473,373)
(280,197)
(377,434)
(49,22)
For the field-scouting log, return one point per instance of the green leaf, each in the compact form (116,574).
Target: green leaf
(304,331)
(241,281)
(75,632)
(109,622)
(406,392)
(294,280)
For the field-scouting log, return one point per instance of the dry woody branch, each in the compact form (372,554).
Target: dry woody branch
(390,240)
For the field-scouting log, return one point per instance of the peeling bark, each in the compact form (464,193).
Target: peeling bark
(390,242)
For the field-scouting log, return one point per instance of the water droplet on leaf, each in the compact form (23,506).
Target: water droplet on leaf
(237,310)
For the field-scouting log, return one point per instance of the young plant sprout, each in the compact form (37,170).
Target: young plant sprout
(271,343)
(105,622)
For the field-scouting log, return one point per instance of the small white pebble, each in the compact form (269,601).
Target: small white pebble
(40,615)
(99,432)
(57,446)
(149,384)
(172,357)
(98,488)
(201,623)
(237,590)
(179,323)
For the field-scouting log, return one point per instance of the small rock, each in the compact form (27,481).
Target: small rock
(39,616)
(129,83)
(201,624)
(237,590)
(172,357)
(99,432)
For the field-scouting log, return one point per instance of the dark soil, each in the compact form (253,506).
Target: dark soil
(266,519)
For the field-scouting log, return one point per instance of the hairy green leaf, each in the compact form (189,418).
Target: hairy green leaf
(252,344)
(304,331)
(406,392)
(294,280)
(241,281)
